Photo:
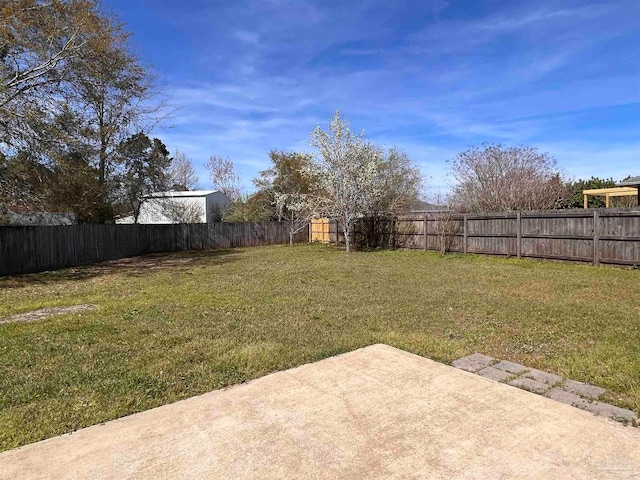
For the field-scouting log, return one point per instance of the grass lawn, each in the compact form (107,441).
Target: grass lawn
(173,326)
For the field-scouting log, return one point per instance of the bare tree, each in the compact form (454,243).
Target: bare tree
(181,212)
(115,97)
(71,85)
(447,221)
(447,226)
(182,175)
(497,178)
(38,40)
(223,177)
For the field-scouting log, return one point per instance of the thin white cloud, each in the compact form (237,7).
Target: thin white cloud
(586,159)
(514,23)
(289,65)
(250,38)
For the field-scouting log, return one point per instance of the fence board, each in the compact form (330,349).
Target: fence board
(599,236)
(35,249)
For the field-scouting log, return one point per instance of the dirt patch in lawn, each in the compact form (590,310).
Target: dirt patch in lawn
(43,313)
(178,262)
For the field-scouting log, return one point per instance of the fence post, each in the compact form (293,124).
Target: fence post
(393,232)
(425,231)
(596,238)
(519,234)
(465,238)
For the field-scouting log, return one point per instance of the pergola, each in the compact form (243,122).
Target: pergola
(627,188)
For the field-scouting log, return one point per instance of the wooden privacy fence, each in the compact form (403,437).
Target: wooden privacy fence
(596,236)
(35,249)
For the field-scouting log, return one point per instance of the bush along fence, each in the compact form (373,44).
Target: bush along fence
(36,249)
(598,236)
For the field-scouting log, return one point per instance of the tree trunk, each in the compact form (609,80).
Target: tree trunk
(346,230)
(136,211)
(102,166)
(291,227)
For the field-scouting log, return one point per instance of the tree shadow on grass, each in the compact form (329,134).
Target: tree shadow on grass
(175,262)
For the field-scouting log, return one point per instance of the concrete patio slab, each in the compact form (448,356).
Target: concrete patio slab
(377,412)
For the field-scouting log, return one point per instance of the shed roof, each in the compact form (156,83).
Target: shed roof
(172,194)
(630,182)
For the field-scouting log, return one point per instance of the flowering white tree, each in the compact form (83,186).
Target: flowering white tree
(298,213)
(347,170)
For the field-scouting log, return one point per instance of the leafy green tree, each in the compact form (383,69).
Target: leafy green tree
(74,187)
(287,184)
(576,199)
(278,187)
(401,184)
(22,182)
(256,207)
(145,163)
(288,173)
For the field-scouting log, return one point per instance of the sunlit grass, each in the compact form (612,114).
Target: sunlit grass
(173,326)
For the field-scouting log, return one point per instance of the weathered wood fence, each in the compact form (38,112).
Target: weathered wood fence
(35,249)
(596,236)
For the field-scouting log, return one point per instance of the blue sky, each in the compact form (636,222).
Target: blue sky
(429,76)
